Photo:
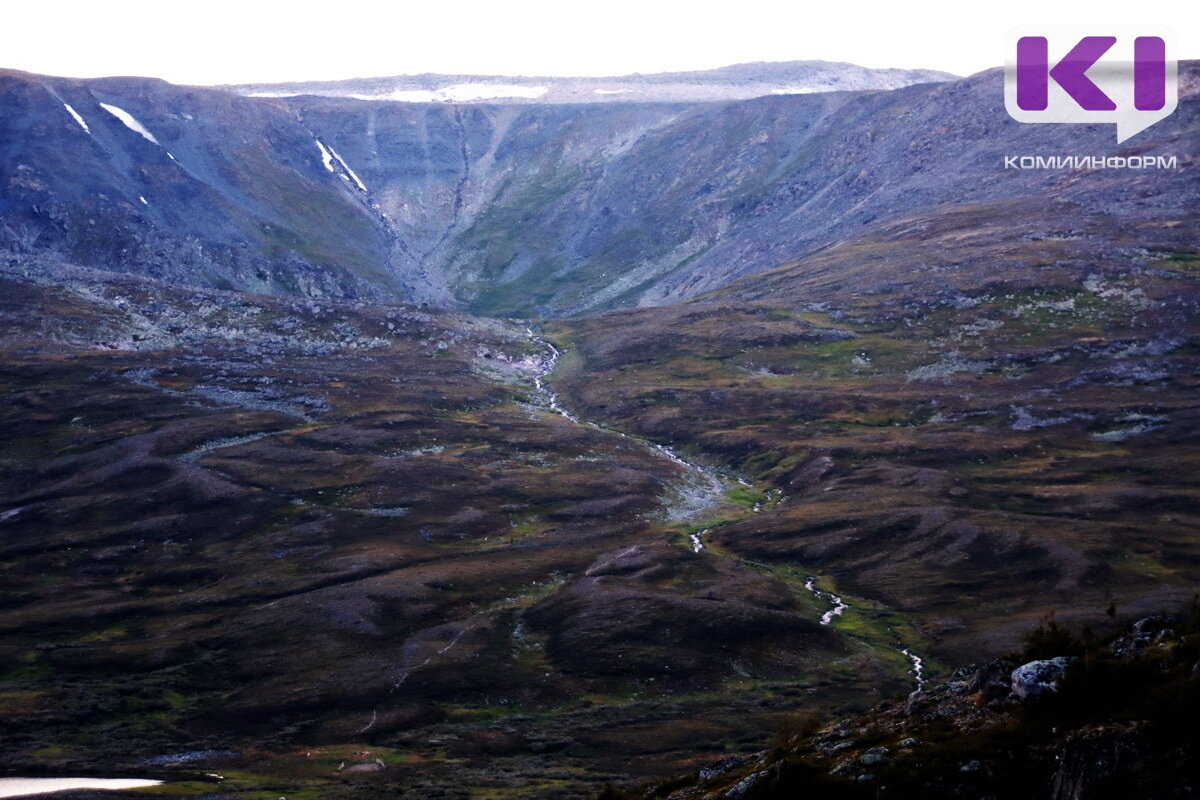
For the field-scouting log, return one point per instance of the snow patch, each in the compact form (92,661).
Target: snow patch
(614,91)
(78,118)
(458,93)
(130,122)
(329,155)
(795,90)
(326,158)
(353,175)
(19,787)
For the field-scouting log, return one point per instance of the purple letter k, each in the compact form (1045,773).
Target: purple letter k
(1070,73)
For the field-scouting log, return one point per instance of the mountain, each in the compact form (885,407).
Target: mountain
(737,82)
(824,402)
(190,185)
(546,209)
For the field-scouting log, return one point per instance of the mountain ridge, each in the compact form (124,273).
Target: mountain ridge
(512,209)
(860,406)
(735,81)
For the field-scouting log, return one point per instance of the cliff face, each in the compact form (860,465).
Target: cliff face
(198,187)
(527,209)
(558,210)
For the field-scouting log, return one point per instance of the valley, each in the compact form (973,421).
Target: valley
(364,447)
(474,556)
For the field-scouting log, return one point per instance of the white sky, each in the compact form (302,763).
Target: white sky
(224,41)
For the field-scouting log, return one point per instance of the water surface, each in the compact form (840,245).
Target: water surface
(20,787)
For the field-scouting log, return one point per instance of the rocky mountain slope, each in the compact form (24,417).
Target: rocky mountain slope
(1086,719)
(195,186)
(511,209)
(884,405)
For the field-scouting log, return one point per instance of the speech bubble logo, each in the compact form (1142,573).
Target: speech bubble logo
(1127,75)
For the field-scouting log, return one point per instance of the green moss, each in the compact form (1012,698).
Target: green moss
(177,789)
(746,496)
(50,752)
(1185,261)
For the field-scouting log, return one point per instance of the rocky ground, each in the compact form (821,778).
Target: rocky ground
(960,449)
(1098,719)
(337,549)
(291,535)
(296,534)
(549,209)
(329,545)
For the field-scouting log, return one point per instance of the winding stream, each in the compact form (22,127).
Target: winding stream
(838,606)
(410,670)
(918,668)
(704,490)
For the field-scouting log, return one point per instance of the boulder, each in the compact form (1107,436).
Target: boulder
(1039,677)
(721,767)
(742,787)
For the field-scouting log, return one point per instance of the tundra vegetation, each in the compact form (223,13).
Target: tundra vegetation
(542,464)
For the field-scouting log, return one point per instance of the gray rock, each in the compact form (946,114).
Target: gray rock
(494,199)
(1039,677)
(721,767)
(746,784)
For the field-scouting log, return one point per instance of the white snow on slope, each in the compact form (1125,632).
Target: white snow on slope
(614,91)
(78,118)
(458,93)
(329,155)
(342,161)
(326,158)
(797,90)
(130,121)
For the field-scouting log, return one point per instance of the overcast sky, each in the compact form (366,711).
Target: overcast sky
(219,41)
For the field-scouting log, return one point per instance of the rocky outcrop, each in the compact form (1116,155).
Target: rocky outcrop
(514,209)
(1112,728)
(1038,677)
